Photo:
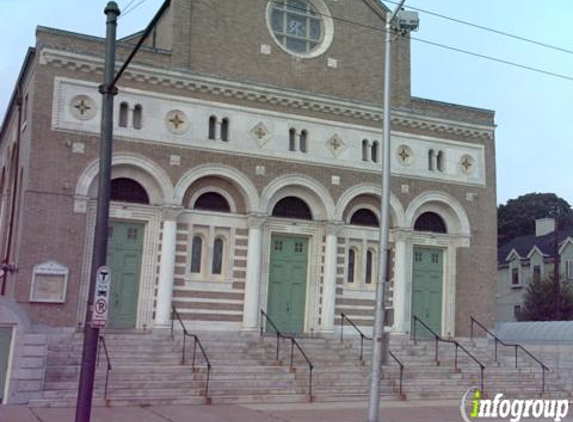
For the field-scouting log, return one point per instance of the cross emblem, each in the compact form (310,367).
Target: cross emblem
(260,132)
(403,154)
(466,164)
(82,107)
(176,121)
(335,144)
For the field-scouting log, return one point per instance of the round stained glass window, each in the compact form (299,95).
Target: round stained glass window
(300,27)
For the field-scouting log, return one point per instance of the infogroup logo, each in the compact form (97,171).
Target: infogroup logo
(512,409)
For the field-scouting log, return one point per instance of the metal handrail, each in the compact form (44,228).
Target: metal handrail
(438,339)
(293,344)
(514,345)
(108,361)
(196,342)
(363,337)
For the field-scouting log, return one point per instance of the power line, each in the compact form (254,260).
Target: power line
(128,4)
(133,8)
(435,44)
(488,29)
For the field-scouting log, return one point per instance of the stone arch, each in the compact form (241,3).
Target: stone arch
(303,187)
(443,204)
(345,206)
(144,171)
(232,176)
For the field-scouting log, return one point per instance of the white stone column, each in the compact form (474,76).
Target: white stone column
(329,282)
(401,315)
(166,266)
(251,305)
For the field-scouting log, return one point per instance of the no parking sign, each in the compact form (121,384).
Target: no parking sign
(101,297)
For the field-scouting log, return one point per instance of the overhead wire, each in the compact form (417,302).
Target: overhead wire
(436,44)
(127,12)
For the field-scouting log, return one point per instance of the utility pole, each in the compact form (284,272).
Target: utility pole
(99,256)
(407,21)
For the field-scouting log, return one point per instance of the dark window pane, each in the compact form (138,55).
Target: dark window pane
(218,256)
(351,263)
(368,279)
(128,190)
(430,222)
(298,46)
(212,127)
(225,130)
(196,253)
(137,117)
(123,110)
(364,217)
(292,207)
(212,201)
(277,21)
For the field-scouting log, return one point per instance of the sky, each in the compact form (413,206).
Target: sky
(534,116)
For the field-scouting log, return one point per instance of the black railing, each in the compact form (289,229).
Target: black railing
(365,337)
(439,339)
(293,344)
(108,361)
(513,345)
(196,342)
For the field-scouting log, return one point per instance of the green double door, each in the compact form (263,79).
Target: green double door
(427,289)
(5,340)
(287,283)
(124,250)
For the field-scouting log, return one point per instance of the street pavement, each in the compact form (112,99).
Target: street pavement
(409,411)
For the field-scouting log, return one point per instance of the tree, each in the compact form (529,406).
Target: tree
(517,217)
(545,300)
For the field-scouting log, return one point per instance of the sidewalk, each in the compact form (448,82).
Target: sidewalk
(411,411)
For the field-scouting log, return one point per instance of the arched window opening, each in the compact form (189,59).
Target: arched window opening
(440,161)
(123,111)
(196,254)
(364,217)
(365,150)
(430,222)
(292,140)
(128,190)
(137,116)
(303,141)
(369,263)
(374,151)
(292,207)
(225,130)
(351,266)
(431,156)
(212,127)
(217,267)
(212,201)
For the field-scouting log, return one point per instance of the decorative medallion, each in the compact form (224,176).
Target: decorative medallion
(468,164)
(336,145)
(261,134)
(83,107)
(177,122)
(405,155)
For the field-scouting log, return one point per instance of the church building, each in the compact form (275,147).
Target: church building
(246,176)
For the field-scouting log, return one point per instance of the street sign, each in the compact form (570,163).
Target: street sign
(101,297)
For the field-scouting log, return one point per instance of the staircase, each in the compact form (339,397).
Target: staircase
(147,370)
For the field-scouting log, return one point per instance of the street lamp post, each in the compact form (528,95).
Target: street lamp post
(394,25)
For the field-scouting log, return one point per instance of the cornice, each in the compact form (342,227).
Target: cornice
(264,94)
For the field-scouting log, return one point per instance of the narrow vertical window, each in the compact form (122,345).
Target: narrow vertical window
(368,278)
(225,130)
(536,273)
(212,127)
(351,266)
(292,140)
(364,150)
(137,116)
(515,277)
(440,161)
(374,151)
(431,160)
(123,110)
(196,254)
(217,256)
(303,141)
